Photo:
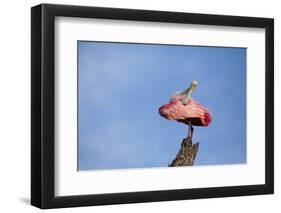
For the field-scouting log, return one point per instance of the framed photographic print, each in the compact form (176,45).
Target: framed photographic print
(139,106)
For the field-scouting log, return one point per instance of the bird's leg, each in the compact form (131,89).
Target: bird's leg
(190,130)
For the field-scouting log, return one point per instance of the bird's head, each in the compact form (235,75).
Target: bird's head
(193,85)
(189,91)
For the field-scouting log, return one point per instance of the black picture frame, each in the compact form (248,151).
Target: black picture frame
(43,102)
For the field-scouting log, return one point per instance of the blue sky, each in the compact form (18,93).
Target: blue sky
(121,86)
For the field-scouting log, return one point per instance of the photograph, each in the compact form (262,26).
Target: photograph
(136,105)
(149,105)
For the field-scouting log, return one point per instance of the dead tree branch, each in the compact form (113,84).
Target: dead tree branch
(186,154)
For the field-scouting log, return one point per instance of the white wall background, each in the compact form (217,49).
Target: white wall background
(15,105)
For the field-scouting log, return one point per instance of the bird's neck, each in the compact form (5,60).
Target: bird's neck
(188,91)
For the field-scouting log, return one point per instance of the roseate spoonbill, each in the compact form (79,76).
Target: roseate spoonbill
(183,108)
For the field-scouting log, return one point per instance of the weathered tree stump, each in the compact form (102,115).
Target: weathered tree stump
(186,154)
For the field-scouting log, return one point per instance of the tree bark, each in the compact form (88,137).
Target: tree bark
(186,154)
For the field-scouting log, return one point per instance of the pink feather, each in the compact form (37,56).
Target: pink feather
(192,112)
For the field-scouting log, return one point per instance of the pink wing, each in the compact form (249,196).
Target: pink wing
(193,111)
